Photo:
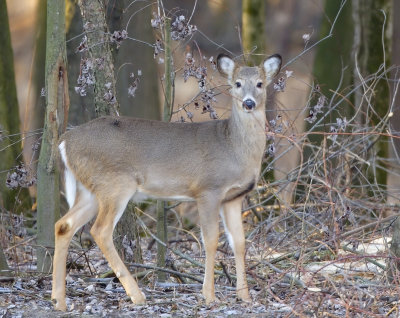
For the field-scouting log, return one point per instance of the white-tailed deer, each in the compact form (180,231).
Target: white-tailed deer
(111,160)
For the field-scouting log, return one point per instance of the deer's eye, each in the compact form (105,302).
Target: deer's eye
(259,84)
(237,84)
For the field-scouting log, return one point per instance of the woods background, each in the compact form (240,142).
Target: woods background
(322,231)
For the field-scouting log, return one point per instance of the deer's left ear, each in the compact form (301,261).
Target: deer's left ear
(271,66)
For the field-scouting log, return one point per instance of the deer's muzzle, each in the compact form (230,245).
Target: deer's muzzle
(249,104)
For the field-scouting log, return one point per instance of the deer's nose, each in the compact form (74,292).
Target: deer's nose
(249,104)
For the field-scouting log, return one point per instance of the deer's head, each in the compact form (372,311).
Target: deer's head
(249,83)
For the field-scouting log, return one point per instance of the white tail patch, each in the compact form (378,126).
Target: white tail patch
(70,181)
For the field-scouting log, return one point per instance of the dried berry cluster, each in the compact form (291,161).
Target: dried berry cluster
(275,126)
(20,177)
(317,109)
(199,72)
(118,36)
(86,77)
(208,98)
(180,29)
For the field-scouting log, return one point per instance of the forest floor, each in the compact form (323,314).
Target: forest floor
(289,276)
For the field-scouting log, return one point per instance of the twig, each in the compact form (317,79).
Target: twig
(226,272)
(297,281)
(173,272)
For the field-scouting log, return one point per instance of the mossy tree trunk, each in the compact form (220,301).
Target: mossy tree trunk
(10,145)
(376,57)
(371,54)
(57,103)
(253,31)
(333,65)
(333,54)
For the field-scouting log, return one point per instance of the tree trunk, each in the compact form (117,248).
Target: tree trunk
(368,23)
(332,55)
(57,103)
(127,238)
(95,28)
(333,63)
(253,30)
(10,145)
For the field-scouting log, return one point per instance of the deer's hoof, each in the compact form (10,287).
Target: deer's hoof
(139,299)
(59,304)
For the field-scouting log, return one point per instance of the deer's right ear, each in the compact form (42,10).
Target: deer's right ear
(225,65)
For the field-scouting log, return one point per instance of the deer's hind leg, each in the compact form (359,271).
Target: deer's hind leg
(112,203)
(82,211)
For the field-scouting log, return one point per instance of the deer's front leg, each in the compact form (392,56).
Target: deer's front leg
(209,217)
(232,217)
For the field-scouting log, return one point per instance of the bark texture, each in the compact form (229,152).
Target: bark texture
(57,104)
(95,28)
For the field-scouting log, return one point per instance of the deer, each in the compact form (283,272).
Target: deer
(111,160)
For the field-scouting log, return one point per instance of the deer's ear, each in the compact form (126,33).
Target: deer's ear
(271,66)
(225,65)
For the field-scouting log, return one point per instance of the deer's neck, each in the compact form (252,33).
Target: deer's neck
(247,131)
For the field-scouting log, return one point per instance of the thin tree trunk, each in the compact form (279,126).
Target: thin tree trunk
(57,103)
(10,145)
(162,232)
(253,30)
